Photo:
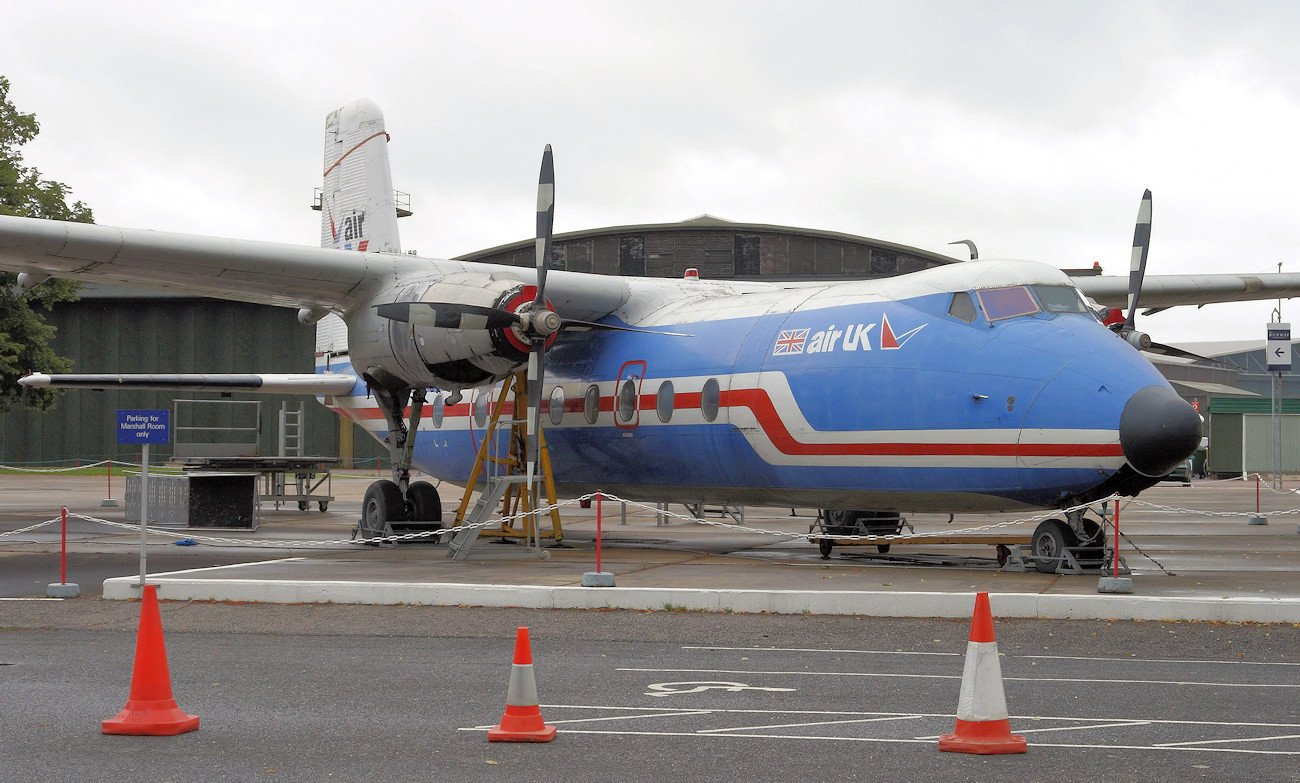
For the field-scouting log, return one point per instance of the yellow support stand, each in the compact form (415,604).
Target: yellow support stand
(517,499)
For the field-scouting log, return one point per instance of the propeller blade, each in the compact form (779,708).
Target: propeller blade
(447,315)
(536,371)
(545,222)
(1138,263)
(614,328)
(1169,350)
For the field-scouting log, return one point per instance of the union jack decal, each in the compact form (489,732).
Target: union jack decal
(790,341)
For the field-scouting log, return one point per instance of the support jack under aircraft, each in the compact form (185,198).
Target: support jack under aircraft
(981,386)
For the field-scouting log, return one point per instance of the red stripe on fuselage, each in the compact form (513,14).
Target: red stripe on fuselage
(760,404)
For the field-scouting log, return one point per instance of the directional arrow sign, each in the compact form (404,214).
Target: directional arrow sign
(1278,352)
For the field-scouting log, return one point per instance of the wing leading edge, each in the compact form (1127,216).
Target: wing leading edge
(270,383)
(1160,291)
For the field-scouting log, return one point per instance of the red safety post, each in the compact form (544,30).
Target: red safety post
(63,549)
(598,578)
(1116,553)
(598,499)
(63,589)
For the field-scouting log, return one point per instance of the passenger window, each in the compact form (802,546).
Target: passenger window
(591,404)
(664,402)
(710,399)
(481,403)
(627,400)
(557,405)
(963,307)
(439,410)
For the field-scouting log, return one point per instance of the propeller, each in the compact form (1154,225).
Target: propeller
(1137,270)
(537,350)
(534,322)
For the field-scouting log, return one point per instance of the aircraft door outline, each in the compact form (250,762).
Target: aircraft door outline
(627,402)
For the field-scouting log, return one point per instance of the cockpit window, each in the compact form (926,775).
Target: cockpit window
(1060,299)
(962,307)
(1000,303)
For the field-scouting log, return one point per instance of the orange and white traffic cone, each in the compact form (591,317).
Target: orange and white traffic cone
(983,725)
(150,709)
(522,721)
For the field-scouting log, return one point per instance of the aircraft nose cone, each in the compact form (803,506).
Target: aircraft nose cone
(1158,430)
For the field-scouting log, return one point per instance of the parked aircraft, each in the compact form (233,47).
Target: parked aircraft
(982,386)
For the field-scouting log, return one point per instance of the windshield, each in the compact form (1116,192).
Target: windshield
(1009,302)
(1060,298)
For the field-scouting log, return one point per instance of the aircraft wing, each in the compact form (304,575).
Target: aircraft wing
(270,383)
(262,272)
(1160,291)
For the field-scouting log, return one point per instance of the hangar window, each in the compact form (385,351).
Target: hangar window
(481,402)
(1009,302)
(664,402)
(1060,299)
(439,409)
(557,405)
(962,307)
(710,399)
(591,404)
(627,400)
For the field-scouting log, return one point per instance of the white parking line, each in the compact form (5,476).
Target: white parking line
(821,650)
(1087,680)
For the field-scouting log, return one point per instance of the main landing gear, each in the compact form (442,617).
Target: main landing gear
(400,505)
(1070,545)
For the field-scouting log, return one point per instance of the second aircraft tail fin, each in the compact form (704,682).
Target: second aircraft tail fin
(358,207)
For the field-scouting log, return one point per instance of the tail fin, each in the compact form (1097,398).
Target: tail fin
(358,210)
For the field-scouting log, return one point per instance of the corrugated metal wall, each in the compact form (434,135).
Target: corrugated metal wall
(169,335)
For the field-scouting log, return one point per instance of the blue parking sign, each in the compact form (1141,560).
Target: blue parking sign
(143,427)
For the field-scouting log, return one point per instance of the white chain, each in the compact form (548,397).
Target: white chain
(31,527)
(542,510)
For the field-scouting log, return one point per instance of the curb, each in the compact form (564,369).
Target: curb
(1226,609)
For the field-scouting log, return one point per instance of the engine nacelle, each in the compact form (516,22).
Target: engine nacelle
(398,354)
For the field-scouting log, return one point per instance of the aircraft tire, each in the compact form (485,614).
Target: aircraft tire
(1051,537)
(423,502)
(383,503)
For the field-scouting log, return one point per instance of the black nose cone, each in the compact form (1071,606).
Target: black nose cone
(1158,430)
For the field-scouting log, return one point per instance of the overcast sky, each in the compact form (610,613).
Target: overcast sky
(1029,127)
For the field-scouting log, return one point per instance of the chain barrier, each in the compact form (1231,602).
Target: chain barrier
(810,536)
(31,527)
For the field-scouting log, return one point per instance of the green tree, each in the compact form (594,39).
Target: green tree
(24,334)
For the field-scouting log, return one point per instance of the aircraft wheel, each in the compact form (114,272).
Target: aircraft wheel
(1051,537)
(382,503)
(824,546)
(423,502)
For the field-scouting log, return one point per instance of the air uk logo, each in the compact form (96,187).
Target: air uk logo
(349,230)
(853,337)
(790,341)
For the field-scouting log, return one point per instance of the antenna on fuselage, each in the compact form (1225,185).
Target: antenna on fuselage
(974,251)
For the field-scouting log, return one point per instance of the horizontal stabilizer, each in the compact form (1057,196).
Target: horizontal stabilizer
(304,383)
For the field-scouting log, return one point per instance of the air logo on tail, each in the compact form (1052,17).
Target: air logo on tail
(349,229)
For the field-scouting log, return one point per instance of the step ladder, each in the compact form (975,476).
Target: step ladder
(496,488)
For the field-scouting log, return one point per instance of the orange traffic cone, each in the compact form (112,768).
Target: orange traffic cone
(150,709)
(983,725)
(522,721)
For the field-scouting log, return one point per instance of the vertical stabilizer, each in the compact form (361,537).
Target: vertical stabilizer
(358,211)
